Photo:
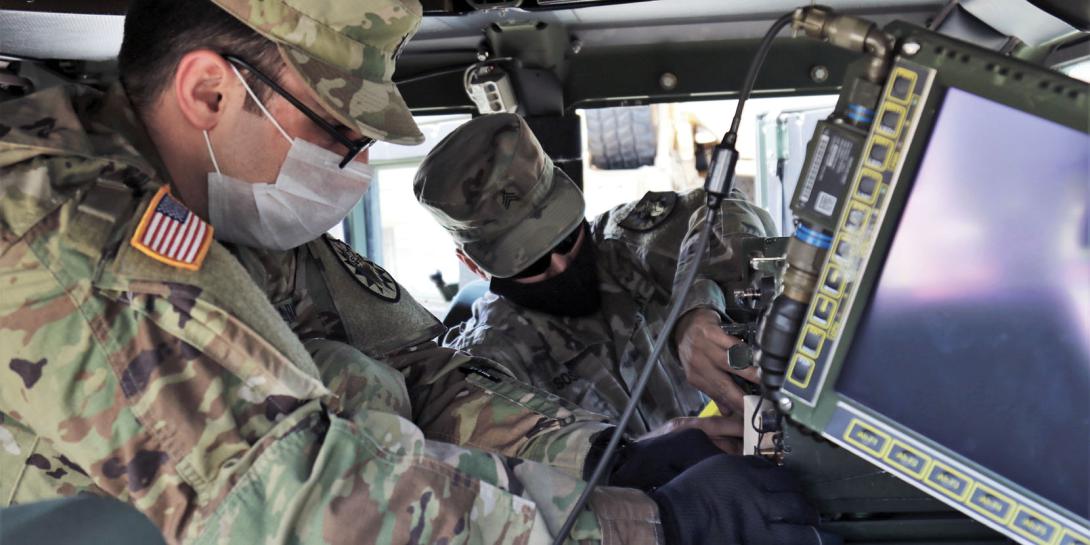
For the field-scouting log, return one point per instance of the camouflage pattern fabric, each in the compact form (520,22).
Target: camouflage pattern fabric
(345,51)
(455,397)
(32,469)
(185,394)
(595,360)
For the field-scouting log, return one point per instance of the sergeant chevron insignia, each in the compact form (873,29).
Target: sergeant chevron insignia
(368,274)
(508,198)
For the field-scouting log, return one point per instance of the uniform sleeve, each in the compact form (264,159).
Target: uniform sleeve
(478,340)
(358,383)
(737,217)
(33,470)
(182,411)
(470,401)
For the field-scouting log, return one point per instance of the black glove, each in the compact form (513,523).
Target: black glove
(651,463)
(737,500)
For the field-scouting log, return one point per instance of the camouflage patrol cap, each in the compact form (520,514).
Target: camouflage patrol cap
(345,51)
(492,187)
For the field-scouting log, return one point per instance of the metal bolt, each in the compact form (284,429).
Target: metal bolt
(819,73)
(785,404)
(910,48)
(668,81)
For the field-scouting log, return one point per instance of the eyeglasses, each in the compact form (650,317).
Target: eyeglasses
(563,247)
(355,147)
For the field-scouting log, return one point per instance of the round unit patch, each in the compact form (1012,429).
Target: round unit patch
(650,212)
(368,274)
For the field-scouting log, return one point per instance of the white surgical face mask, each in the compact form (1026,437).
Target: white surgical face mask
(310,196)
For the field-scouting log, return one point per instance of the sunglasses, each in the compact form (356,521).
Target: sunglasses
(355,147)
(563,247)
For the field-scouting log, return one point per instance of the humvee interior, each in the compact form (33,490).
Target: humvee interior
(923,309)
(937,443)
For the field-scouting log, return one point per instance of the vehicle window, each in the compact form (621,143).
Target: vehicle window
(685,127)
(396,232)
(1079,69)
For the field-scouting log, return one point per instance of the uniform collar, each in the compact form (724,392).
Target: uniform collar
(76,120)
(124,121)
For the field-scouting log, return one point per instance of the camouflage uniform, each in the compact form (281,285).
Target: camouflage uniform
(324,290)
(184,392)
(592,360)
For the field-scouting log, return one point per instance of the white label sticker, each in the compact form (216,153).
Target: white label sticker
(825,204)
(811,177)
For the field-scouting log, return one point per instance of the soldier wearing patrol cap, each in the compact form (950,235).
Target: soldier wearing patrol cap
(175,333)
(574,306)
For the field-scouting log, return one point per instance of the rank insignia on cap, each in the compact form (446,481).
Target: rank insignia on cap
(170,233)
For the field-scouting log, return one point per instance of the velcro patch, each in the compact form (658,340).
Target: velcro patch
(367,273)
(650,212)
(171,233)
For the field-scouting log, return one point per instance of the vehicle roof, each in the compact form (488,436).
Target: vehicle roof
(618,53)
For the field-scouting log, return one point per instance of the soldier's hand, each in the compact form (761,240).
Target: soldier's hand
(702,347)
(737,500)
(653,462)
(724,431)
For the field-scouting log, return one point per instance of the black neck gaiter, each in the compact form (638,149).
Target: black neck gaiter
(572,293)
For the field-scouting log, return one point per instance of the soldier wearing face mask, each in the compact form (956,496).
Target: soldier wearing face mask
(574,306)
(175,333)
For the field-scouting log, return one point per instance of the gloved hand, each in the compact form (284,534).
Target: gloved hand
(653,462)
(737,500)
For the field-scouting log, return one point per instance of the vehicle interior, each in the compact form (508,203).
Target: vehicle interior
(633,95)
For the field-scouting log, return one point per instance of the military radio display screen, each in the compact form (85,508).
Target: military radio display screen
(977,334)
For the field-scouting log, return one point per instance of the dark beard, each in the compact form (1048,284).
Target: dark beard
(573,293)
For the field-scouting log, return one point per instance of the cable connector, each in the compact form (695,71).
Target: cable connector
(721,176)
(847,32)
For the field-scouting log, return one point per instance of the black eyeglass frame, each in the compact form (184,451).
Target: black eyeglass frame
(355,147)
(564,247)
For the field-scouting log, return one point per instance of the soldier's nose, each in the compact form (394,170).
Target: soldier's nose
(559,263)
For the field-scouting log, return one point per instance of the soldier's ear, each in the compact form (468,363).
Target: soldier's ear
(203,84)
(472,265)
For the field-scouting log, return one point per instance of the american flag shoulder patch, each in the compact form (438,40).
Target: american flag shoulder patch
(170,233)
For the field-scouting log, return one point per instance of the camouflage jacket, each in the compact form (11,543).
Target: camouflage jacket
(325,290)
(595,360)
(184,393)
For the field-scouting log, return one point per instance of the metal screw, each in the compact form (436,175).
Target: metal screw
(785,405)
(668,81)
(910,48)
(819,73)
